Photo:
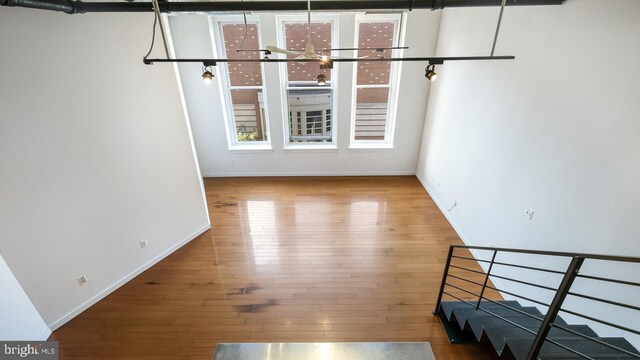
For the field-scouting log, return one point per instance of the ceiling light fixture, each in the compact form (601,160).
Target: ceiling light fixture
(207,71)
(321,79)
(430,72)
(207,76)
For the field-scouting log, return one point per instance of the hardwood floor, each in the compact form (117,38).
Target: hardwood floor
(288,259)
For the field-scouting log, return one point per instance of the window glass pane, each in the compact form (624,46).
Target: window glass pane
(375,35)
(371,113)
(248,115)
(295,35)
(310,115)
(241,73)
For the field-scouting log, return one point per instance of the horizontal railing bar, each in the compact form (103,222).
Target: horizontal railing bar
(554,253)
(461,289)
(596,340)
(514,309)
(524,282)
(520,296)
(529,267)
(602,321)
(475,271)
(467,280)
(611,302)
(468,258)
(624,282)
(569,349)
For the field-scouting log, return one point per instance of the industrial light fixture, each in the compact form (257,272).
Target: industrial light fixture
(207,76)
(430,73)
(207,73)
(321,79)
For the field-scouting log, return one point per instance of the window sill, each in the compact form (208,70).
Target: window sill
(248,149)
(311,148)
(370,147)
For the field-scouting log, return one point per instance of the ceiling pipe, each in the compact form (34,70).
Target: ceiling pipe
(74,7)
(54,5)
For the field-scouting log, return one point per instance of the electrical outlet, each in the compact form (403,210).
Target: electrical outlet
(529,212)
(144,243)
(82,280)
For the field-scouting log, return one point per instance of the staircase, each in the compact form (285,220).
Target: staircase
(522,332)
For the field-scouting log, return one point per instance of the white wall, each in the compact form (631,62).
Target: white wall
(95,156)
(19,318)
(192,40)
(557,129)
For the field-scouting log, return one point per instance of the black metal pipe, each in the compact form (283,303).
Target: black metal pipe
(72,7)
(430,60)
(54,5)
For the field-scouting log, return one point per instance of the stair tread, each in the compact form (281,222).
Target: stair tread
(520,348)
(461,315)
(480,321)
(449,306)
(498,335)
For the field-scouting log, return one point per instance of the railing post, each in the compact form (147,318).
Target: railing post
(554,307)
(486,279)
(444,280)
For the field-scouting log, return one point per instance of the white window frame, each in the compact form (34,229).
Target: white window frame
(224,83)
(284,80)
(394,80)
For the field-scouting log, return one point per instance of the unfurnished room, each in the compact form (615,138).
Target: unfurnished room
(320,180)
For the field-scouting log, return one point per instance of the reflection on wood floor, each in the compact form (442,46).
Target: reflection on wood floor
(287,260)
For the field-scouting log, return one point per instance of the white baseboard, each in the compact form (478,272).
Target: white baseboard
(325,173)
(444,212)
(497,282)
(75,312)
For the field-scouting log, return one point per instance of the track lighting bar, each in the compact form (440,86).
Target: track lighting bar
(79,7)
(430,60)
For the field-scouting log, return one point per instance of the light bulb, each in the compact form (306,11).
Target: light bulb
(321,79)
(430,74)
(207,76)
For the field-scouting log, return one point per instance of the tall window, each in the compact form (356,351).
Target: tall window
(243,87)
(309,105)
(373,117)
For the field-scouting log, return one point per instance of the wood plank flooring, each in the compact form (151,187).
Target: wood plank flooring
(288,259)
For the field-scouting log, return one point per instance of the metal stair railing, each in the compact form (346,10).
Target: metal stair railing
(569,275)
